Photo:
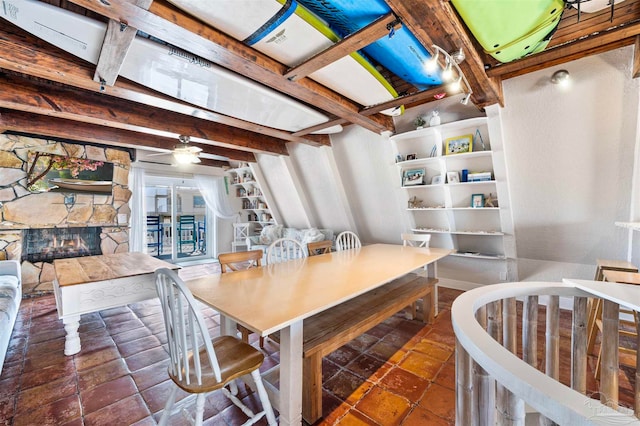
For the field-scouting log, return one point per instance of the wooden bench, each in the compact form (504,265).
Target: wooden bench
(327,331)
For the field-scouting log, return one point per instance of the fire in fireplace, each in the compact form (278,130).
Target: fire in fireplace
(42,245)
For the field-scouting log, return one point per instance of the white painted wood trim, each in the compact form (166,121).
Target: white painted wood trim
(549,397)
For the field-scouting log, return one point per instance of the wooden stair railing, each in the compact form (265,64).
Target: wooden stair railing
(494,385)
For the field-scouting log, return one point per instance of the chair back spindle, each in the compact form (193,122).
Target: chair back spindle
(347,240)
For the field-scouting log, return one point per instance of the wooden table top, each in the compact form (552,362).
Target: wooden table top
(81,270)
(622,277)
(272,297)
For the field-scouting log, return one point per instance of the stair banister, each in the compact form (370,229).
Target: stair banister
(549,397)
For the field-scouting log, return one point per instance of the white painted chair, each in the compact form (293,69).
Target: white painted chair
(194,366)
(416,240)
(347,240)
(285,249)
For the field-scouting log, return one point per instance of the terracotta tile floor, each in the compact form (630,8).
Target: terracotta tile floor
(399,372)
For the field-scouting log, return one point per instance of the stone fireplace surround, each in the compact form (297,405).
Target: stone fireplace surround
(21,209)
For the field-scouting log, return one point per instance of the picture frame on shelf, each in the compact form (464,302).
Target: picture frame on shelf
(410,157)
(437,180)
(412,177)
(477,201)
(453,177)
(398,158)
(458,144)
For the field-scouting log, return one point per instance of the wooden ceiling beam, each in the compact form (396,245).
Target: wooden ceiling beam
(435,22)
(23,53)
(47,99)
(25,122)
(598,43)
(353,42)
(175,27)
(420,97)
(116,44)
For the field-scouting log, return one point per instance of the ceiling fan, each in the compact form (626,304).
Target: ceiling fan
(183,152)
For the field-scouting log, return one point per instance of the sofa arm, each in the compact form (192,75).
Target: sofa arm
(11,267)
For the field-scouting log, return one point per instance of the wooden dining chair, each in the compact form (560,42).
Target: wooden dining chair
(319,247)
(239,261)
(199,364)
(628,321)
(415,240)
(347,240)
(285,249)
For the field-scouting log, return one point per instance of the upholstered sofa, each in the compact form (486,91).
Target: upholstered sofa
(270,233)
(10,297)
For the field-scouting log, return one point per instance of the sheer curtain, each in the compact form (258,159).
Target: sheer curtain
(138,231)
(215,196)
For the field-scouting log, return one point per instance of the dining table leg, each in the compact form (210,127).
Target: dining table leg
(291,374)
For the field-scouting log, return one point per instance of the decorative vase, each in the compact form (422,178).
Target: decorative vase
(435,119)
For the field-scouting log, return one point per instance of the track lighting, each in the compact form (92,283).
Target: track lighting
(451,73)
(432,64)
(447,73)
(455,85)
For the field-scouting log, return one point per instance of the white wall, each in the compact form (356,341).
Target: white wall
(570,156)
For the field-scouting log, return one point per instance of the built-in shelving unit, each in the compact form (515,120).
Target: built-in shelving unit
(462,215)
(255,209)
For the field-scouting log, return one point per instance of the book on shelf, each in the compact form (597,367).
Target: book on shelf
(479,177)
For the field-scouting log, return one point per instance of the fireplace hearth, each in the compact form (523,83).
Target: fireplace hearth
(46,245)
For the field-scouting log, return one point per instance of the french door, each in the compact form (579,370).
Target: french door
(179,224)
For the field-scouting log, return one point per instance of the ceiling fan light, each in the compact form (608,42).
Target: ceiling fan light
(183,157)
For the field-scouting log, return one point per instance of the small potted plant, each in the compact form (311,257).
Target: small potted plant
(419,122)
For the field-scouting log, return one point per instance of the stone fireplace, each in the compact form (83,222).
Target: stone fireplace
(36,228)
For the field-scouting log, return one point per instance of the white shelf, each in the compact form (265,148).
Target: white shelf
(635,226)
(479,255)
(483,233)
(438,185)
(473,232)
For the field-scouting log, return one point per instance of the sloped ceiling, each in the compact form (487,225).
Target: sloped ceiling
(46,91)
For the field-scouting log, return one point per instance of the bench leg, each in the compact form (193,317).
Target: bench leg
(428,308)
(312,388)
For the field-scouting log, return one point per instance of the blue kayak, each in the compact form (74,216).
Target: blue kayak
(400,52)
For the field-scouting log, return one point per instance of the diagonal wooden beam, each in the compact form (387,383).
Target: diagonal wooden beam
(598,43)
(26,122)
(116,44)
(364,37)
(24,53)
(416,98)
(435,22)
(420,97)
(175,27)
(23,95)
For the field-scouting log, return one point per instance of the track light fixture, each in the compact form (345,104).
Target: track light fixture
(432,64)
(450,70)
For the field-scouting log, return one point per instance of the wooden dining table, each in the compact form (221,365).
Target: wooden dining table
(279,297)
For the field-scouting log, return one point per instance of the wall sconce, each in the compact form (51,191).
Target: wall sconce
(561,77)
(451,68)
